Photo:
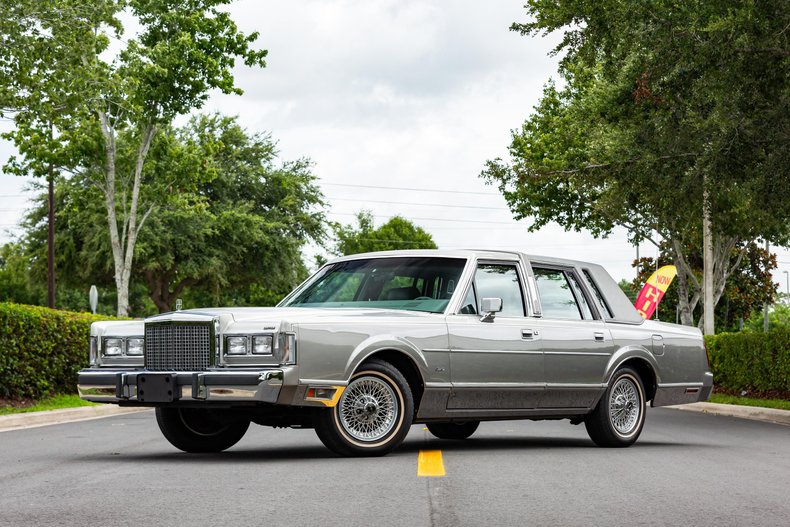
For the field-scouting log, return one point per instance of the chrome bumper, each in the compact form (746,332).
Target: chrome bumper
(220,386)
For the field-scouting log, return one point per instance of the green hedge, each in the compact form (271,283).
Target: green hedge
(751,361)
(41,350)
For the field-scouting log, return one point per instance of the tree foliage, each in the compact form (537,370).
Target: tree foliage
(74,83)
(665,109)
(749,287)
(778,318)
(397,233)
(228,224)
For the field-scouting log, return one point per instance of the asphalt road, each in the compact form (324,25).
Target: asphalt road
(686,469)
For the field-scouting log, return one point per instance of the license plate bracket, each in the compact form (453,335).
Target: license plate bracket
(157,388)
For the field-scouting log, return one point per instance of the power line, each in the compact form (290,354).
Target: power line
(431,219)
(443,191)
(421,204)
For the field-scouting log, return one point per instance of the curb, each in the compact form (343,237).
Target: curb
(771,415)
(67,415)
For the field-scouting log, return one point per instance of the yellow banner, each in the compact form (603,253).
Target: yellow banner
(654,289)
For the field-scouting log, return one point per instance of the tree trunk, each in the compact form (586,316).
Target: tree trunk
(123,253)
(687,284)
(708,264)
(159,289)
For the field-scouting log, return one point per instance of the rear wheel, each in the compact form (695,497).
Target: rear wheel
(199,430)
(372,416)
(453,430)
(620,414)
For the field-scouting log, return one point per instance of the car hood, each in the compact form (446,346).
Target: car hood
(243,314)
(257,319)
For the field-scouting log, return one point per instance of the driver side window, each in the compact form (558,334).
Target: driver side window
(500,281)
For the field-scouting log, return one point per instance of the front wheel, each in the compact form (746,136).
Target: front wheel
(373,415)
(197,430)
(620,414)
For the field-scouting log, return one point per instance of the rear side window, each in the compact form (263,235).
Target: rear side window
(607,313)
(580,298)
(556,297)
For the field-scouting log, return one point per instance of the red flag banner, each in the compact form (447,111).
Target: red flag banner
(654,289)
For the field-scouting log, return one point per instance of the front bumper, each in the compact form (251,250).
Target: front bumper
(263,386)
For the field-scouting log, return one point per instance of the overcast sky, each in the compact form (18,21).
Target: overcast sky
(413,94)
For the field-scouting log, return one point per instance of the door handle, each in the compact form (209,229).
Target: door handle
(599,336)
(528,334)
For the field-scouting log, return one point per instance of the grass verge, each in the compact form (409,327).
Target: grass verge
(780,404)
(55,402)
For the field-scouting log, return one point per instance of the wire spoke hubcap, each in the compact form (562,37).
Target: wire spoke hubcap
(368,409)
(624,406)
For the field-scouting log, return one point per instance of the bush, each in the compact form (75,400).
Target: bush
(751,361)
(41,350)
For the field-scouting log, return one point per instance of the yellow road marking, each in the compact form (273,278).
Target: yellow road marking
(429,463)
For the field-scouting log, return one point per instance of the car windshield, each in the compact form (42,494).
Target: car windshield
(416,284)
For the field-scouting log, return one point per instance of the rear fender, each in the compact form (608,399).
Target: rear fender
(627,353)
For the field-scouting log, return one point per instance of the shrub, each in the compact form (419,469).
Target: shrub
(41,350)
(751,361)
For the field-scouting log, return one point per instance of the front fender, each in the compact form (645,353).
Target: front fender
(373,345)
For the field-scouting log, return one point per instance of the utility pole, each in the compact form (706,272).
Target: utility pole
(765,306)
(51,241)
(658,254)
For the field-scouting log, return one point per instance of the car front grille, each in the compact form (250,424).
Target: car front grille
(178,346)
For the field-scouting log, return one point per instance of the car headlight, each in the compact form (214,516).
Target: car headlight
(262,345)
(120,348)
(134,347)
(113,347)
(237,346)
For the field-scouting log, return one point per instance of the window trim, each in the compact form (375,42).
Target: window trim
(473,285)
(596,315)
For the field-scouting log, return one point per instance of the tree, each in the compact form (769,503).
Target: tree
(240,234)
(673,122)
(15,284)
(67,97)
(397,233)
(228,224)
(778,317)
(748,288)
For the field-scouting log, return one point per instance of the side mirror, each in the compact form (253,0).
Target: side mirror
(489,307)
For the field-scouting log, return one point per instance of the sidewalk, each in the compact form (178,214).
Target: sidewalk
(770,415)
(67,415)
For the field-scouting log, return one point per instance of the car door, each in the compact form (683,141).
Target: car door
(575,341)
(495,364)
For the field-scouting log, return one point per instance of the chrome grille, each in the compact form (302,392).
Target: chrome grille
(178,346)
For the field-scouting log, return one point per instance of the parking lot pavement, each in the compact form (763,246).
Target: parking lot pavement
(687,468)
